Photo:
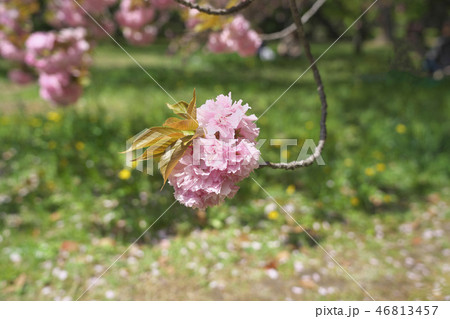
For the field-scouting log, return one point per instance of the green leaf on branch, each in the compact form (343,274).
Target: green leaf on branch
(179,107)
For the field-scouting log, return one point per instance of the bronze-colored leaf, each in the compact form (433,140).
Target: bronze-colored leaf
(172,156)
(184,125)
(184,115)
(192,110)
(158,148)
(151,136)
(170,121)
(179,107)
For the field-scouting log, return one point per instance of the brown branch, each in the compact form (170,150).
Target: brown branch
(288,30)
(323,99)
(213,11)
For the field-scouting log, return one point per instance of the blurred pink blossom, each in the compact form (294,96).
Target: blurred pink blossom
(19,76)
(217,43)
(67,13)
(97,7)
(52,52)
(60,58)
(60,88)
(134,17)
(11,52)
(162,4)
(140,37)
(235,37)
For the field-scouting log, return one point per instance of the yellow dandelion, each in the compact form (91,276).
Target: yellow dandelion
(369,171)
(381,167)
(354,201)
(387,198)
(273,215)
(124,174)
(348,162)
(290,189)
(400,128)
(309,125)
(79,146)
(54,116)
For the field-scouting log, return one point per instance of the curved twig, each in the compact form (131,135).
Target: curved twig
(323,128)
(285,32)
(213,11)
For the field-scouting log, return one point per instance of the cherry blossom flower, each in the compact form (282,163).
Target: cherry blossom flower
(208,172)
(221,116)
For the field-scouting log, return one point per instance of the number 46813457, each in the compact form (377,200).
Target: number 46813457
(407,310)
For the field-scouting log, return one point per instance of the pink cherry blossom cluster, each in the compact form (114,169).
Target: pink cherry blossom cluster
(210,169)
(61,59)
(135,16)
(236,36)
(137,19)
(163,4)
(15,25)
(67,13)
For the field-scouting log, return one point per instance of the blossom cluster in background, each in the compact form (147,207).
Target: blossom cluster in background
(236,36)
(209,170)
(60,58)
(15,26)
(67,13)
(135,19)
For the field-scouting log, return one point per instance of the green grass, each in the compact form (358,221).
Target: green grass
(380,206)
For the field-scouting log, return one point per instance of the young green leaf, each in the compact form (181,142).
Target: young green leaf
(179,107)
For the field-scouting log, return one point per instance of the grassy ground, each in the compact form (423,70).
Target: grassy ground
(380,207)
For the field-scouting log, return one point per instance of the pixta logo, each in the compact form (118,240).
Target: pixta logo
(206,149)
